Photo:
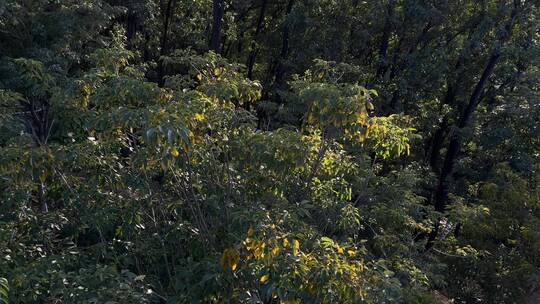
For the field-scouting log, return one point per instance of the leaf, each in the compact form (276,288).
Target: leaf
(275,251)
(370,106)
(4,288)
(150,134)
(184,134)
(327,242)
(264,278)
(230,259)
(199,117)
(170,137)
(296,247)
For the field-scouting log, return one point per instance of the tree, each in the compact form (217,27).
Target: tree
(217,17)
(255,151)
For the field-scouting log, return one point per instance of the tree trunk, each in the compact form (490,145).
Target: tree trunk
(253,48)
(385,40)
(164,40)
(439,136)
(453,84)
(217,14)
(454,147)
(284,46)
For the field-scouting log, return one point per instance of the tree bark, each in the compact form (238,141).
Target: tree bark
(284,46)
(217,15)
(453,84)
(454,147)
(385,40)
(164,40)
(253,48)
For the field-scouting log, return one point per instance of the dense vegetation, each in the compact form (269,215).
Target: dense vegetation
(269,151)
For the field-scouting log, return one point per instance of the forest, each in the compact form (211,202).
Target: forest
(269,151)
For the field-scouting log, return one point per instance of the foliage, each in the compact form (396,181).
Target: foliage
(316,152)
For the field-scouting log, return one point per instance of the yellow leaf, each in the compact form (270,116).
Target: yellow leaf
(275,251)
(296,247)
(361,265)
(258,250)
(370,106)
(339,249)
(230,259)
(351,253)
(199,77)
(199,117)
(362,137)
(174,152)
(264,278)
(285,242)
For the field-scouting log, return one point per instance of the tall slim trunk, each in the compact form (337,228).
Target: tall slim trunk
(438,138)
(217,15)
(453,83)
(454,147)
(253,48)
(352,29)
(385,40)
(284,46)
(435,143)
(165,40)
(131,27)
